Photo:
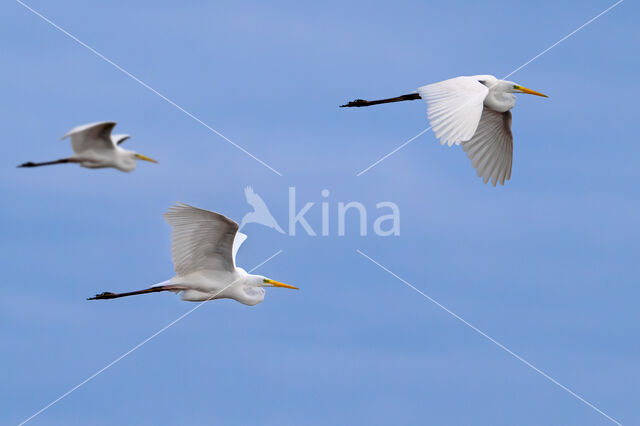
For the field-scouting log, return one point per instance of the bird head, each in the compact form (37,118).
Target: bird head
(260,281)
(126,160)
(512,87)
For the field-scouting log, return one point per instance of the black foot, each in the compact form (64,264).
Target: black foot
(356,103)
(104,295)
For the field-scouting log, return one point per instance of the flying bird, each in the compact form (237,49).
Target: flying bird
(203,248)
(473,111)
(260,213)
(94,147)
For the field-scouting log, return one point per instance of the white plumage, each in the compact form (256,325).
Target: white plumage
(200,240)
(473,111)
(454,108)
(203,248)
(491,147)
(94,147)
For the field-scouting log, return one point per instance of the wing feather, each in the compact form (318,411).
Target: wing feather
(491,147)
(200,239)
(237,242)
(118,139)
(454,108)
(92,136)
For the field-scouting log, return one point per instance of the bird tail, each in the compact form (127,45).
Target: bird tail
(363,103)
(154,289)
(46,163)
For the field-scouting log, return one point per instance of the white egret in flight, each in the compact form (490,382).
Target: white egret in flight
(260,213)
(203,247)
(473,111)
(95,147)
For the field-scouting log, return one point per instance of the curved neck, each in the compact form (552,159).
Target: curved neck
(499,100)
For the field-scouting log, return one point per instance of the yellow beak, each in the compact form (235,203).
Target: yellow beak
(529,91)
(277,284)
(145,158)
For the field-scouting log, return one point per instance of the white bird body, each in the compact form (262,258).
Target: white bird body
(117,158)
(204,245)
(205,284)
(474,111)
(94,147)
(209,285)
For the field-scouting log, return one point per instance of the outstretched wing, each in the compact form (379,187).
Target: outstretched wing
(237,242)
(200,239)
(454,107)
(255,200)
(118,139)
(491,148)
(93,136)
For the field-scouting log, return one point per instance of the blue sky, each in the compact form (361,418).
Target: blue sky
(547,264)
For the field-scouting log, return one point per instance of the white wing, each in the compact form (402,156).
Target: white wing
(200,239)
(93,136)
(237,242)
(491,148)
(118,139)
(454,107)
